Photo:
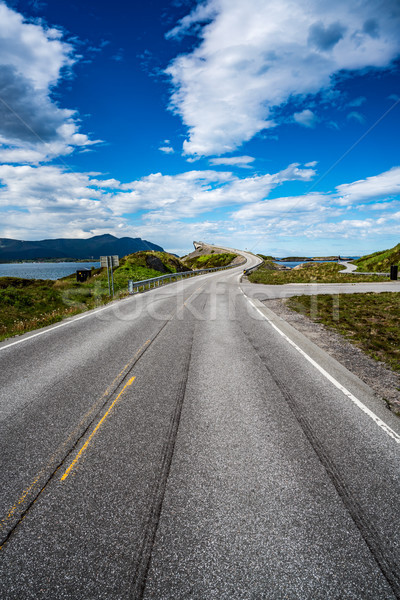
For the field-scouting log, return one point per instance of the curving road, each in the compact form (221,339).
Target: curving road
(185,443)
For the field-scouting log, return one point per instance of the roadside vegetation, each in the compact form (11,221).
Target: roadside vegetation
(264,257)
(370,321)
(379,261)
(270,273)
(27,304)
(209,261)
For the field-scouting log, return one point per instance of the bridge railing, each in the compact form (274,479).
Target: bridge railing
(134,287)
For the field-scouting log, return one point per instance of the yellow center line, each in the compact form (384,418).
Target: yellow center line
(27,492)
(95,430)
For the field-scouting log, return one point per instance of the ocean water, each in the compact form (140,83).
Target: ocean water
(44,270)
(292,264)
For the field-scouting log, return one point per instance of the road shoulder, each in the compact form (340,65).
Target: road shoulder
(383,381)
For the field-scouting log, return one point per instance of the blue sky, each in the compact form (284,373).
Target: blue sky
(257,124)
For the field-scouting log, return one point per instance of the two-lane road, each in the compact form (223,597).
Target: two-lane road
(180,444)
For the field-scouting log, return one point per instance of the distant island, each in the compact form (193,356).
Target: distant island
(311,259)
(72,249)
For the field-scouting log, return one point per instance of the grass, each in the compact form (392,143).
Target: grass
(209,261)
(309,273)
(379,261)
(370,321)
(27,304)
(264,257)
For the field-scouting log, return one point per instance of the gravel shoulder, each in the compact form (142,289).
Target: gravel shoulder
(384,381)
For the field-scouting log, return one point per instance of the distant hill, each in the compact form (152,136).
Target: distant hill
(99,245)
(379,261)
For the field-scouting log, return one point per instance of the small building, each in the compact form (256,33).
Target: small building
(83,275)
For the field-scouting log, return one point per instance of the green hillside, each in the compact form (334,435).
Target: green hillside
(379,261)
(209,261)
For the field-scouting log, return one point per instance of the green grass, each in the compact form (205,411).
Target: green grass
(27,304)
(264,257)
(379,261)
(370,321)
(209,261)
(310,273)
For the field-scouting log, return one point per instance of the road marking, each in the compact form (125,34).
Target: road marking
(95,430)
(25,494)
(73,320)
(336,383)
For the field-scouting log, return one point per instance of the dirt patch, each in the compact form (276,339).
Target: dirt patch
(384,381)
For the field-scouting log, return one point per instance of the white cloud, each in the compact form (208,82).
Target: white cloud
(71,203)
(281,206)
(33,51)
(167,149)
(237,161)
(306,118)
(48,201)
(356,116)
(254,56)
(33,59)
(384,185)
(194,192)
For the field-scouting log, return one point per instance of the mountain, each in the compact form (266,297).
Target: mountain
(99,245)
(379,261)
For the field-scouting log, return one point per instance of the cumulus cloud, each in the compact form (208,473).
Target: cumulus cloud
(167,149)
(48,201)
(33,59)
(254,57)
(279,206)
(75,203)
(195,192)
(385,185)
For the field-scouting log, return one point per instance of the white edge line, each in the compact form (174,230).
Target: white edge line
(73,320)
(25,339)
(339,386)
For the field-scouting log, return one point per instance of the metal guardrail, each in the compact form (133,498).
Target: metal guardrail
(247,271)
(134,286)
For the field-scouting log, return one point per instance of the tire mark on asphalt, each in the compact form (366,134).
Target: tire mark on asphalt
(30,495)
(150,530)
(32,492)
(383,555)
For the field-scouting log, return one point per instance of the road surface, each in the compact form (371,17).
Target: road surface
(348,266)
(263,291)
(184,444)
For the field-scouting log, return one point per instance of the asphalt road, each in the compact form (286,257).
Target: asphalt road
(184,443)
(265,291)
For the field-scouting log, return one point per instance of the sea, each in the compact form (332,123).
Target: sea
(44,270)
(292,264)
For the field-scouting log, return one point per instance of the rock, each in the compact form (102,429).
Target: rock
(153,262)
